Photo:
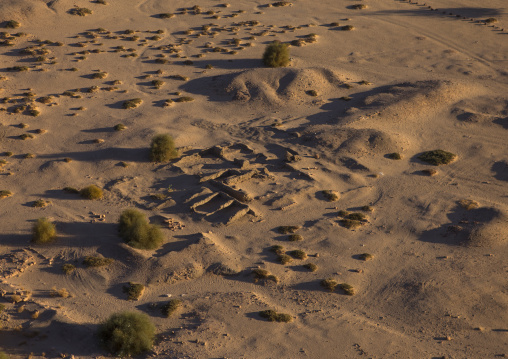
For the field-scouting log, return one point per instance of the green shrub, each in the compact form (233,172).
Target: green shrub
(311,266)
(12,24)
(135,229)
(273,316)
(329,284)
(170,307)
(288,229)
(127,333)
(298,254)
(68,268)
(276,55)
(81,11)
(43,231)
(437,157)
(91,192)
(330,195)
(133,103)
(284,259)
(134,290)
(348,289)
(91,261)
(162,148)
(120,127)
(5,193)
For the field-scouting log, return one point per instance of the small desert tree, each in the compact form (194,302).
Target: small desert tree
(43,231)
(162,148)
(135,229)
(276,55)
(127,333)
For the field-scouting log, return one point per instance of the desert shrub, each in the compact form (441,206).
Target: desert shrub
(91,192)
(429,172)
(12,24)
(68,268)
(40,203)
(394,156)
(284,259)
(312,93)
(184,99)
(329,284)
(43,231)
(120,127)
(358,6)
(331,196)
(63,293)
(158,83)
(162,148)
(357,216)
(80,11)
(263,274)
(134,290)
(91,261)
(295,238)
(310,266)
(367,209)
(342,213)
(99,75)
(347,28)
(348,289)
(490,20)
(437,157)
(170,307)
(288,229)
(298,254)
(166,15)
(135,229)
(277,249)
(127,333)
(132,103)
(276,55)
(273,316)
(5,193)
(467,204)
(350,223)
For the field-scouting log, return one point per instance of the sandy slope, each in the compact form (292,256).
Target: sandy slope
(407,79)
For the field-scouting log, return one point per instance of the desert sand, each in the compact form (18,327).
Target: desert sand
(368,90)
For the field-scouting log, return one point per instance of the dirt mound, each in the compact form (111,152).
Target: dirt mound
(481,110)
(269,86)
(345,140)
(22,10)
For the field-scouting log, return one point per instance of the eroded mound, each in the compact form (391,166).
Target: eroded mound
(482,109)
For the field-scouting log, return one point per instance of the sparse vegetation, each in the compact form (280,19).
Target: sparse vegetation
(12,24)
(63,293)
(5,193)
(170,307)
(295,238)
(276,55)
(135,229)
(467,204)
(134,290)
(91,192)
(68,268)
(273,316)
(80,11)
(348,289)
(298,254)
(133,103)
(120,127)
(311,266)
(264,275)
(394,156)
(127,333)
(437,157)
(331,196)
(288,229)
(43,231)
(329,284)
(162,148)
(91,261)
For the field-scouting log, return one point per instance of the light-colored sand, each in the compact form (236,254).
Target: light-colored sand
(407,79)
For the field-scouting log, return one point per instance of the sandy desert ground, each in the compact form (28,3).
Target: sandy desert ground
(426,252)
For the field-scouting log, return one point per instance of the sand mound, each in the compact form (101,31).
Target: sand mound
(349,140)
(482,110)
(270,86)
(22,10)
(481,227)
